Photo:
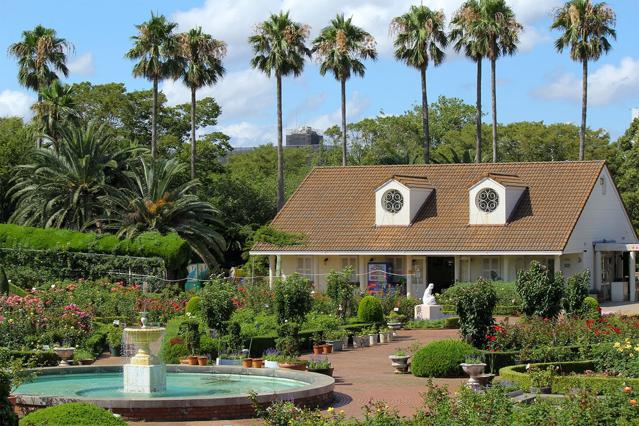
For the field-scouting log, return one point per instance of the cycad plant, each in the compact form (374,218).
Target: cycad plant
(155,200)
(341,47)
(586,29)
(55,109)
(420,39)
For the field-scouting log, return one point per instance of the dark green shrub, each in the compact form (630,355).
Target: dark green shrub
(172,353)
(217,303)
(575,292)
(73,413)
(541,293)
(506,292)
(209,346)
(194,306)
(441,359)
(475,305)
(97,343)
(370,310)
(114,337)
(452,322)
(4,282)
(7,416)
(293,299)
(190,332)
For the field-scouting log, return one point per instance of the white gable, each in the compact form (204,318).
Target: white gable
(412,200)
(507,198)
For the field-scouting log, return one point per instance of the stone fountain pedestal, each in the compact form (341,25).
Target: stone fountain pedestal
(145,373)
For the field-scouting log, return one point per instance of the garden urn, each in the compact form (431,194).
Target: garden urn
(474,370)
(399,363)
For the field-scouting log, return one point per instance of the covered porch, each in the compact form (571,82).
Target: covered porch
(615,272)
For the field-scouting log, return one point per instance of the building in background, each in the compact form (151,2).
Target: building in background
(304,136)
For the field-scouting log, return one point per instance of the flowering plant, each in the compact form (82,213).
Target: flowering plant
(620,358)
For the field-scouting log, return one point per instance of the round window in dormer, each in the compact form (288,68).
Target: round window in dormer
(487,200)
(392,201)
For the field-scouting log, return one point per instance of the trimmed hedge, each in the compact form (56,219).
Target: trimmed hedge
(38,358)
(566,382)
(498,360)
(451,323)
(441,359)
(73,413)
(370,310)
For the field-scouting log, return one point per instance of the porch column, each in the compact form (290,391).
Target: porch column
(457,269)
(597,270)
(506,265)
(278,266)
(557,263)
(317,260)
(271,271)
(632,261)
(362,270)
(409,276)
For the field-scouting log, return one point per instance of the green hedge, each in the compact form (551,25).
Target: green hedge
(64,252)
(567,381)
(37,358)
(495,361)
(441,358)
(451,323)
(73,413)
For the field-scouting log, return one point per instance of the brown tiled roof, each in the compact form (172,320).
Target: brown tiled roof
(506,179)
(335,208)
(413,181)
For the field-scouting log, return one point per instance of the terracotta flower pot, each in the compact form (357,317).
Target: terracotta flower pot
(202,360)
(87,361)
(258,363)
(184,361)
(247,362)
(317,349)
(294,366)
(327,348)
(192,360)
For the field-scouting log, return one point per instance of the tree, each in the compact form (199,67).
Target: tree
(155,46)
(420,39)
(341,47)
(464,36)
(279,47)
(54,110)
(41,54)
(62,189)
(201,66)
(16,147)
(585,30)
(154,200)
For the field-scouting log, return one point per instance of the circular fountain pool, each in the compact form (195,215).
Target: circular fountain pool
(192,392)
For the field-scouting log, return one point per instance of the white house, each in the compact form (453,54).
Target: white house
(401,227)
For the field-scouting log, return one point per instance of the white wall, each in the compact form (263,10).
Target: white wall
(413,200)
(479,217)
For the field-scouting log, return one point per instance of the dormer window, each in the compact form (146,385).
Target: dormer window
(487,200)
(399,198)
(392,201)
(494,198)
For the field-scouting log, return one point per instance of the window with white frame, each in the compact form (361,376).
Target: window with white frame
(305,267)
(490,268)
(352,262)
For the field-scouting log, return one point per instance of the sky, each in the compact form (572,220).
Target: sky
(537,84)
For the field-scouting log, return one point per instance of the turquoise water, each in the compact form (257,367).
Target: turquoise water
(109,385)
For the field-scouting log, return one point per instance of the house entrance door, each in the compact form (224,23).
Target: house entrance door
(441,272)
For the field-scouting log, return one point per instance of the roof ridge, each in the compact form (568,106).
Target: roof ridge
(355,166)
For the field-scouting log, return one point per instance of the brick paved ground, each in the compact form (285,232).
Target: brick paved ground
(362,375)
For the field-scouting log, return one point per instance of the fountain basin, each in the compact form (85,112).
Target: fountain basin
(192,393)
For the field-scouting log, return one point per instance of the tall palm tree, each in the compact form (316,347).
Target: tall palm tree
(55,109)
(463,35)
(341,47)
(420,39)
(155,46)
(61,189)
(201,65)
(279,47)
(154,200)
(585,30)
(41,54)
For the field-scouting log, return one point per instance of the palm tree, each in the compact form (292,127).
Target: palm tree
(420,39)
(55,109)
(154,200)
(155,46)
(341,48)
(463,36)
(61,189)
(201,66)
(41,54)
(585,30)
(279,47)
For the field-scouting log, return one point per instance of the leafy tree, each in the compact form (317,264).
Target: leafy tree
(54,110)
(155,47)
(16,147)
(585,29)
(201,66)
(420,39)
(279,47)
(217,303)
(154,201)
(62,189)
(540,292)
(341,47)
(41,54)
(293,299)
(475,306)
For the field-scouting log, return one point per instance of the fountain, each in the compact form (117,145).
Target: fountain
(145,373)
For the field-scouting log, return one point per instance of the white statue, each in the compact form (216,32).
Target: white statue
(428,298)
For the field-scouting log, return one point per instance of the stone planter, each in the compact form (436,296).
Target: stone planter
(65,354)
(394,325)
(389,335)
(383,338)
(247,362)
(227,361)
(327,348)
(271,364)
(372,339)
(345,342)
(474,371)
(258,363)
(86,361)
(399,363)
(324,371)
(202,360)
(337,344)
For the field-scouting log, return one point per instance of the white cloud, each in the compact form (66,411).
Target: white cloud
(82,65)
(354,108)
(15,104)
(244,133)
(609,83)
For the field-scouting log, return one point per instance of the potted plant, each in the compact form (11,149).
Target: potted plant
(293,363)
(399,360)
(372,336)
(320,365)
(540,379)
(202,360)
(247,362)
(474,367)
(318,343)
(114,338)
(83,357)
(336,339)
(271,358)
(258,362)
(394,320)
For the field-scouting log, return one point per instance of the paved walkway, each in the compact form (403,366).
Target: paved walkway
(362,375)
(622,308)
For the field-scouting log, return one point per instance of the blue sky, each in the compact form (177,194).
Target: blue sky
(536,84)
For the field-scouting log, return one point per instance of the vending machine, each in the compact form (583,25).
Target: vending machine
(379,277)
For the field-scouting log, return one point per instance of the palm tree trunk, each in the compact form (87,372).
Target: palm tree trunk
(493,88)
(425,117)
(280,148)
(193,147)
(154,114)
(343,83)
(584,110)
(478,116)
(39,139)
